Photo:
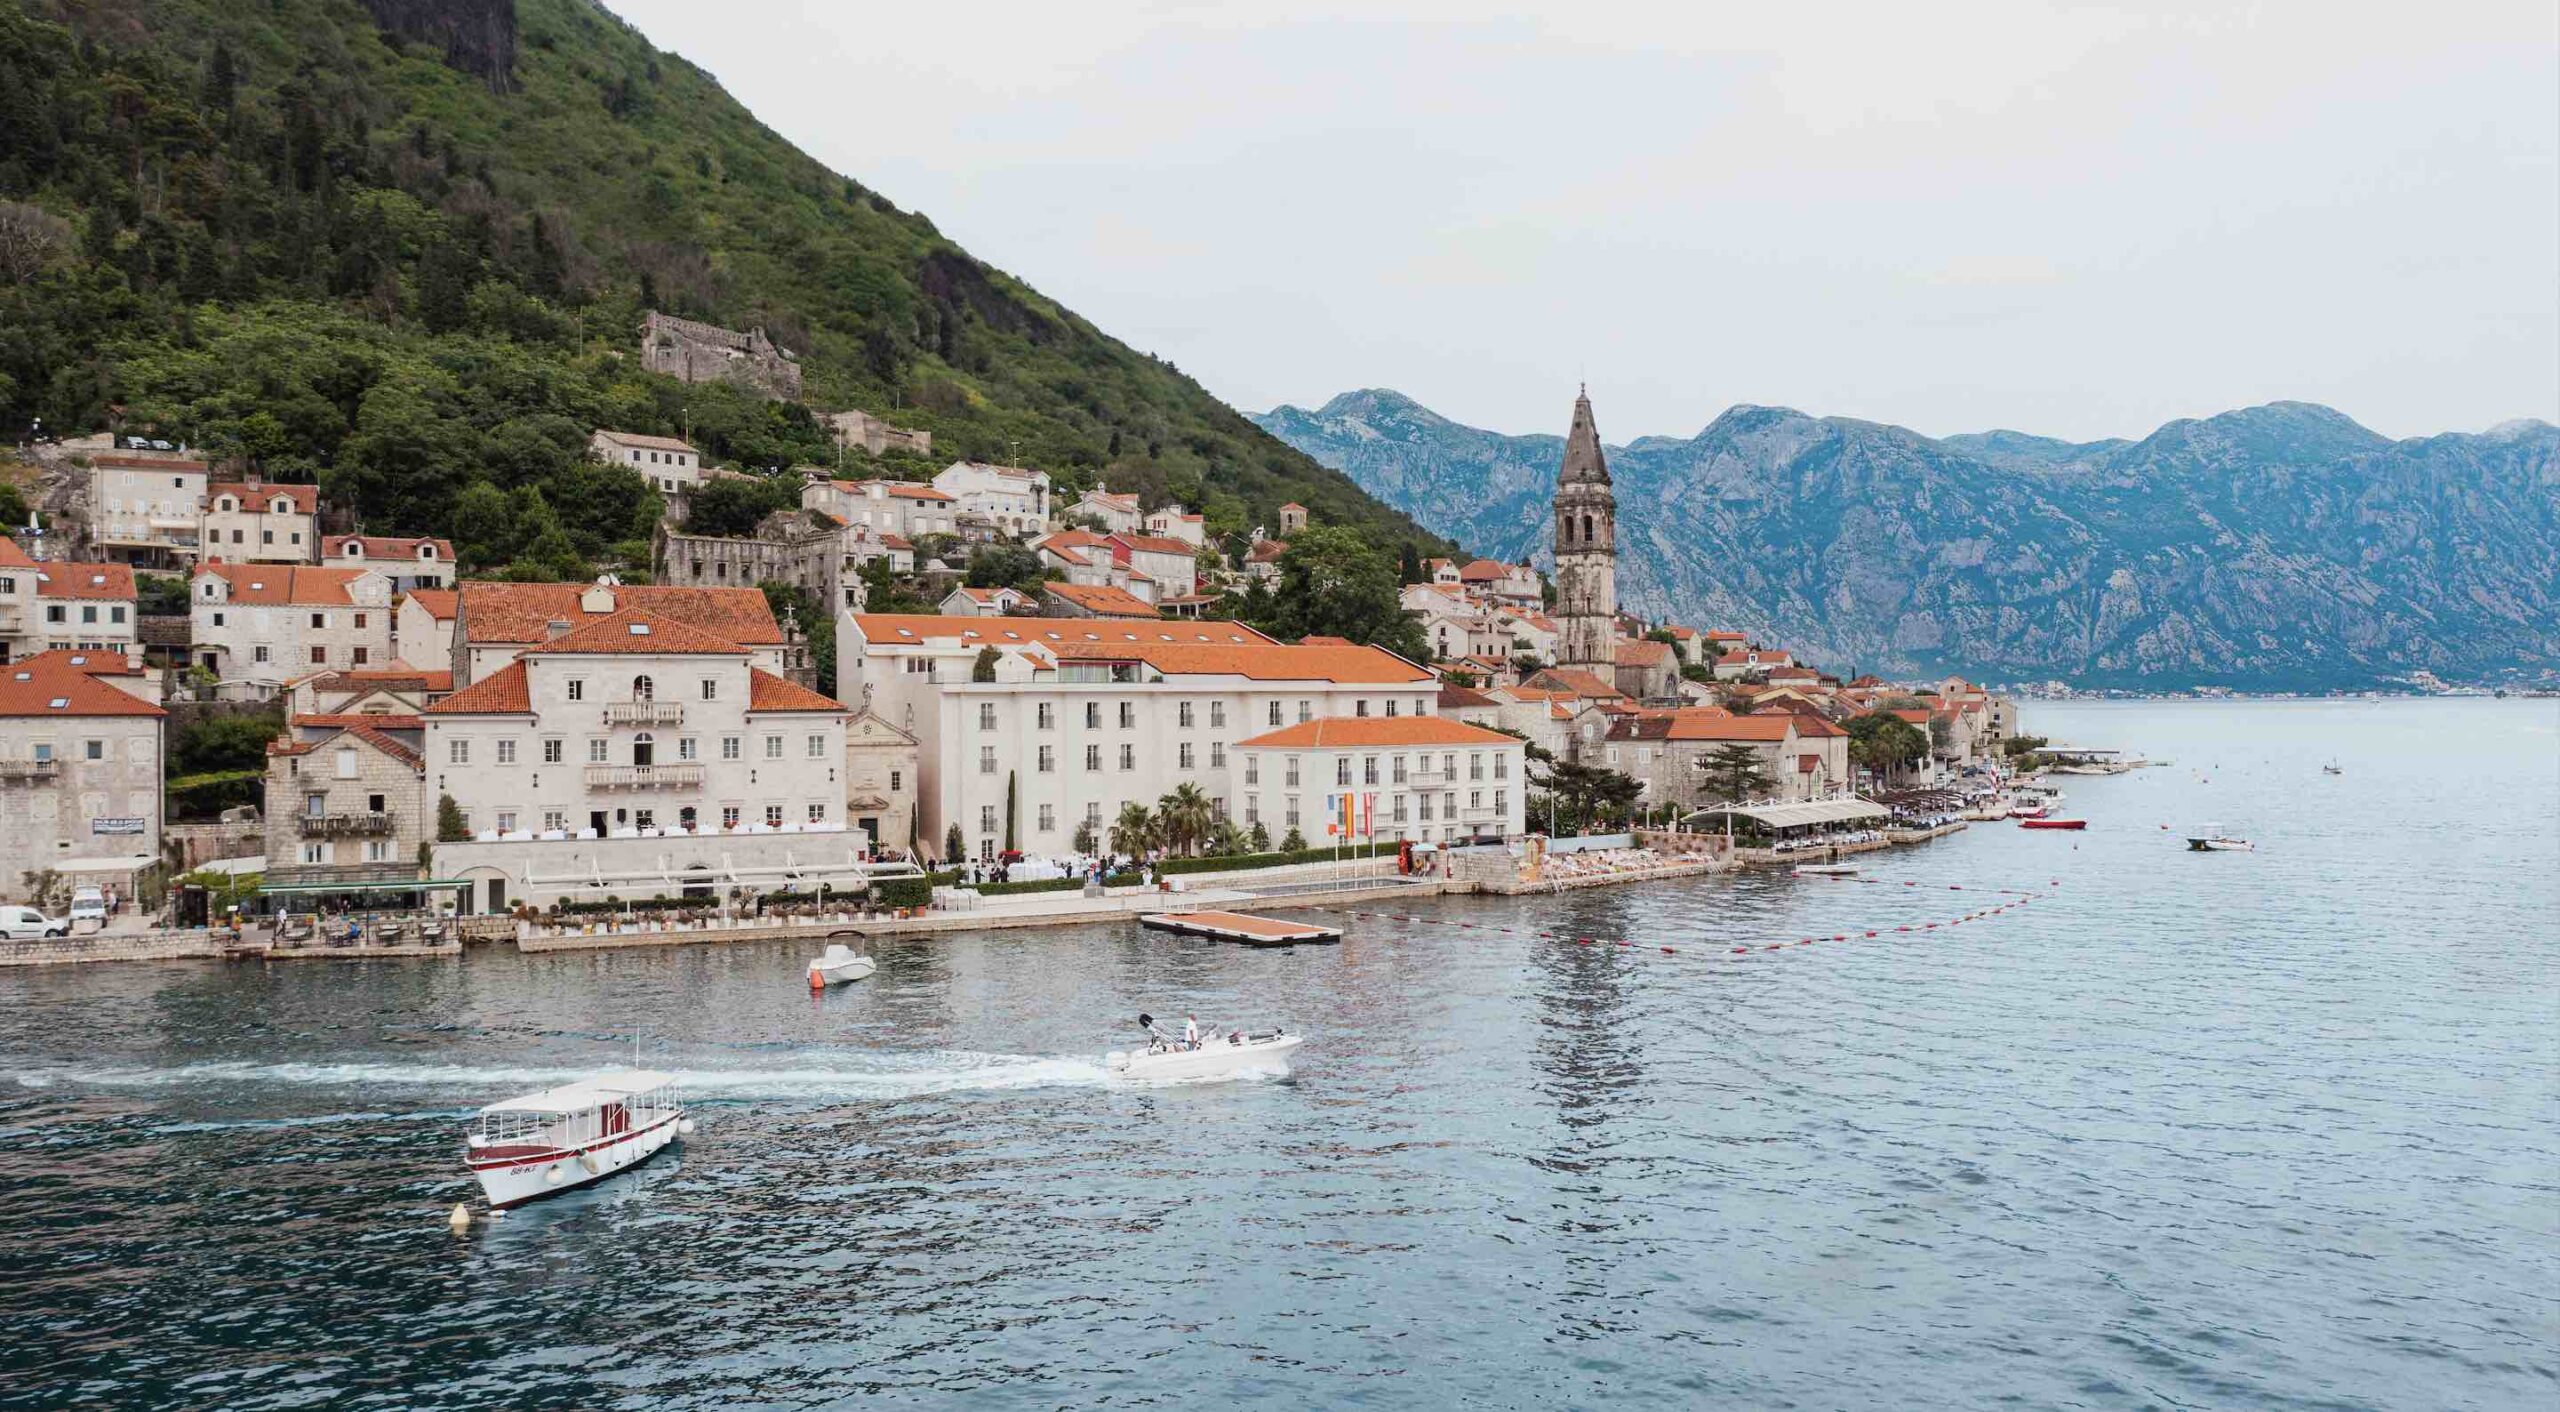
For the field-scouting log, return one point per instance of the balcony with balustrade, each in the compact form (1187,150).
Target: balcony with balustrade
(359,825)
(30,771)
(644,713)
(644,776)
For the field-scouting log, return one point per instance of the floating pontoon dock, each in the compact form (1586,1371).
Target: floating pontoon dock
(1237,926)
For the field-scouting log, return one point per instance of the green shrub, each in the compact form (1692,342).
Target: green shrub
(1273,860)
(1043,885)
(903,892)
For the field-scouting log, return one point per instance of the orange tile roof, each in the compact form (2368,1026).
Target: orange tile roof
(637,631)
(285,584)
(1267,551)
(1463,698)
(1574,680)
(1360,732)
(1709,723)
(1643,652)
(253,498)
(106,663)
(47,684)
(384,546)
(359,727)
(503,692)
(903,489)
(767,692)
(523,612)
(345,720)
(1102,600)
(67,580)
(1727,637)
(13,557)
(1155,544)
(147,463)
(1261,661)
(1484,571)
(1112,633)
(441,603)
(381,679)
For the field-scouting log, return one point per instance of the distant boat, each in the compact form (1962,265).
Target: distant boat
(2331,769)
(2053,823)
(2212,838)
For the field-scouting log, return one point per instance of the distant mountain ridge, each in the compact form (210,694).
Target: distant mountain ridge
(2280,547)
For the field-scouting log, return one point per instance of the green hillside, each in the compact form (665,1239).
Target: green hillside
(402,247)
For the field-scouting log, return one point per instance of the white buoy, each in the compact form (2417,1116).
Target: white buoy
(684,1127)
(461,1218)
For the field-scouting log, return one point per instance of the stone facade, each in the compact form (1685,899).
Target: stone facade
(79,774)
(823,561)
(146,510)
(697,352)
(342,802)
(253,522)
(1586,611)
(258,626)
(863,431)
(880,781)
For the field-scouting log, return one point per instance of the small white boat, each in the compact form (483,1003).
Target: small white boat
(1216,1056)
(2211,839)
(568,1136)
(838,964)
(1826,870)
(2331,769)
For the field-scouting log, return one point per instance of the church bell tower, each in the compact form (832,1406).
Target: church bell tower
(1586,551)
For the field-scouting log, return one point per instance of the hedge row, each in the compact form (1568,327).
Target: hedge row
(1272,860)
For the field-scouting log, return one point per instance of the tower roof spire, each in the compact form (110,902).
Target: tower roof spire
(1584,462)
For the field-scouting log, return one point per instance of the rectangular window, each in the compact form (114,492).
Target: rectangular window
(319,620)
(1291,816)
(1392,704)
(1128,757)
(1217,754)
(359,620)
(94,749)
(1342,770)
(986,818)
(595,750)
(817,813)
(1217,715)
(551,751)
(553,821)
(1290,777)
(506,821)
(729,747)
(577,689)
(362,656)
(1048,818)
(817,747)
(728,816)
(258,653)
(986,715)
(1048,716)
(1253,769)
(1182,756)
(773,816)
(687,748)
(710,688)
(1182,715)
(1093,757)
(319,656)
(1275,713)
(1368,769)
(773,747)
(1093,715)
(1400,808)
(88,612)
(377,850)
(315,853)
(1360,707)
(1502,767)
(1252,810)
(1501,801)
(458,752)
(506,752)
(1128,715)
(1048,763)
(986,759)
(896,780)
(1396,775)
(1306,712)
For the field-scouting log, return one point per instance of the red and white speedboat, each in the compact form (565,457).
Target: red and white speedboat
(574,1134)
(2053,823)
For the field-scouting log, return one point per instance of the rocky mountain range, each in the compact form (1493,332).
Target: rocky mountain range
(2281,547)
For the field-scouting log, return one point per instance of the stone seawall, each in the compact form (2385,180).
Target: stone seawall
(130,946)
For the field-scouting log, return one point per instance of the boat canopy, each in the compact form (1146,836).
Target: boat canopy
(1795,816)
(586,1094)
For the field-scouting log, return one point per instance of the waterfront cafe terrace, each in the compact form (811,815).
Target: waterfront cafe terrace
(1789,825)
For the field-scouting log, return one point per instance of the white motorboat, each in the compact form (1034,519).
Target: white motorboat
(838,964)
(568,1136)
(1216,1056)
(1826,870)
(2212,839)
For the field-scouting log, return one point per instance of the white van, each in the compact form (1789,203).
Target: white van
(28,924)
(89,904)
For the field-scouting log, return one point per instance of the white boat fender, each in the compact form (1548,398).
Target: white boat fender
(684,1127)
(460,1220)
(591,1162)
(554,1174)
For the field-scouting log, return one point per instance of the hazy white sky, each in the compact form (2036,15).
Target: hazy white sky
(2074,219)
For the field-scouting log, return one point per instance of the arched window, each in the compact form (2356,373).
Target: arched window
(1586,529)
(644,747)
(642,689)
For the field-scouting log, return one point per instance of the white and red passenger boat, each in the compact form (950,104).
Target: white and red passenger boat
(574,1134)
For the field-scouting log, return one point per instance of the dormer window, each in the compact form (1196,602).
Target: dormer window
(426,551)
(227,505)
(279,507)
(355,549)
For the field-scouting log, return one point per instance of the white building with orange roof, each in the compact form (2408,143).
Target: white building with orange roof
(1117,513)
(422,628)
(672,466)
(88,607)
(1171,523)
(1429,779)
(1172,566)
(908,509)
(409,563)
(259,626)
(79,774)
(998,602)
(1801,755)
(1015,499)
(494,622)
(1087,714)
(639,755)
(254,522)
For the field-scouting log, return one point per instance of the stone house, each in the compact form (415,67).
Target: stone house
(408,563)
(1647,670)
(252,522)
(1804,757)
(259,626)
(495,622)
(880,781)
(79,774)
(815,553)
(907,509)
(146,510)
(673,467)
(1171,523)
(347,798)
(862,431)
(422,628)
(999,602)
(88,607)
(1014,500)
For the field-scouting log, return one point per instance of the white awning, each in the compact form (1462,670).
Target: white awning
(120,863)
(1795,816)
(585,1094)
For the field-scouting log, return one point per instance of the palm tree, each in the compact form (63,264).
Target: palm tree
(1184,818)
(1134,830)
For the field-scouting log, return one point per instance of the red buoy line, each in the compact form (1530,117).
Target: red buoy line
(2018,897)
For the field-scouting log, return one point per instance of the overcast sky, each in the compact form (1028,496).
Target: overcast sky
(2072,219)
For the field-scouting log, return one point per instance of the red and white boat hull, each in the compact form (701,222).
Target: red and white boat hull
(512,1177)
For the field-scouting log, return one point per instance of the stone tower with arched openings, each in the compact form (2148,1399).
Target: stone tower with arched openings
(1586,551)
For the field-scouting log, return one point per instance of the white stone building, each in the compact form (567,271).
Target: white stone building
(408,563)
(1171,565)
(1086,715)
(422,628)
(79,775)
(87,607)
(907,509)
(1171,523)
(259,626)
(493,622)
(256,523)
(1116,513)
(673,466)
(1013,498)
(1424,778)
(146,509)
(641,755)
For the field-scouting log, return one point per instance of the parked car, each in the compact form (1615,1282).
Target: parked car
(89,904)
(28,924)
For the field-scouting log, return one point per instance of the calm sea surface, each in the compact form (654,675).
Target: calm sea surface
(2233,1131)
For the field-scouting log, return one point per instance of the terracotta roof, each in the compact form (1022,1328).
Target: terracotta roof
(1114,499)
(1484,571)
(1574,680)
(1356,732)
(105,663)
(147,463)
(441,603)
(522,612)
(73,580)
(47,684)
(1265,551)
(254,497)
(13,557)
(346,720)
(637,631)
(767,692)
(645,442)
(1320,640)
(381,679)
(1102,600)
(1102,633)
(1293,505)
(1463,698)
(1260,661)
(895,541)
(989,595)
(902,489)
(1644,652)
(285,584)
(503,692)
(1684,634)
(1154,544)
(1073,557)
(383,546)
(1727,637)
(361,728)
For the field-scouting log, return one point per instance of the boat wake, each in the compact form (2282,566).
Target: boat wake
(808,1076)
